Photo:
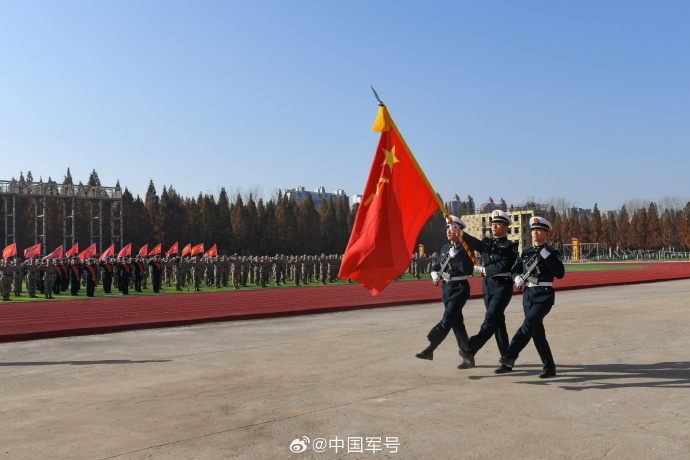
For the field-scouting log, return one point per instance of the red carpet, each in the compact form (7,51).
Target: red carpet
(27,321)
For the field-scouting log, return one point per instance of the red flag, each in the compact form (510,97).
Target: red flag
(187,249)
(74,250)
(156,250)
(173,249)
(126,251)
(396,203)
(57,254)
(88,252)
(9,251)
(108,252)
(198,249)
(144,250)
(211,252)
(32,251)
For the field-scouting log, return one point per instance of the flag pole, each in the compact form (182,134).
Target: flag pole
(384,122)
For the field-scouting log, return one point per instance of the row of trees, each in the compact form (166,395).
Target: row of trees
(643,228)
(245,224)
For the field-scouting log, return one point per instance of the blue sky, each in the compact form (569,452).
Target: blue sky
(587,100)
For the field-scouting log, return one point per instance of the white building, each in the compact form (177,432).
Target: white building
(299,195)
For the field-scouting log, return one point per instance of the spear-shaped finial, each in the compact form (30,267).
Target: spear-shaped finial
(376,95)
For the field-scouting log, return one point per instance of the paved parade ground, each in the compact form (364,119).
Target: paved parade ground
(250,389)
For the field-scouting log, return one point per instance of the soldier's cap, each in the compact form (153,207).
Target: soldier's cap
(458,224)
(500,216)
(539,222)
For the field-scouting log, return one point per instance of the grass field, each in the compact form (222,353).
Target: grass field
(188,290)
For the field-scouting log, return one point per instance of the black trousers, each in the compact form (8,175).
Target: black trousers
(494,324)
(455,295)
(533,328)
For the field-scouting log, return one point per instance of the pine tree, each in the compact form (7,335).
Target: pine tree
(624,240)
(68,178)
(635,237)
(654,240)
(668,239)
(151,205)
(595,235)
(642,229)
(585,230)
(611,230)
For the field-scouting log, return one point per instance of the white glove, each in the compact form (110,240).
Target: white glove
(544,253)
(480,269)
(436,277)
(453,252)
(519,281)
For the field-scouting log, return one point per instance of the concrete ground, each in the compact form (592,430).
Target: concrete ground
(249,389)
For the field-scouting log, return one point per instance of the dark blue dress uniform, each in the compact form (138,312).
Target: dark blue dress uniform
(106,275)
(74,277)
(90,274)
(124,272)
(498,259)
(156,274)
(537,300)
(455,293)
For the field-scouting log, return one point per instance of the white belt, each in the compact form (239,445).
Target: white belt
(539,284)
(457,278)
(501,274)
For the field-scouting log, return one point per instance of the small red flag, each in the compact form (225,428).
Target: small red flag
(187,249)
(57,254)
(108,252)
(88,252)
(126,251)
(9,251)
(198,249)
(396,203)
(173,250)
(156,250)
(73,251)
(144,250)
(32,251)
(211,252)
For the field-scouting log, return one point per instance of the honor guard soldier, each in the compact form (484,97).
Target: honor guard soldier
(535,272)
(106,275)
(74,276)
(498,259)
(124,272)
(452,269)
(156,269)
(90,273)
(139,270)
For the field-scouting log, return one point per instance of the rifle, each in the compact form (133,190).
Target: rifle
(533,264)
(445,262)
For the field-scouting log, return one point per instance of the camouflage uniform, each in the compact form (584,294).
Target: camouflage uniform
(18,277)
(32,270)
(196,267)
(7,278)
(49,276)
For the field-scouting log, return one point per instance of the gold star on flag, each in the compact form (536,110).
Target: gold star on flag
(390,158)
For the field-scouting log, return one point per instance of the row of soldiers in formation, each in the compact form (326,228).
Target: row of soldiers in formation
(53,276)
(221,271)
(421,264)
